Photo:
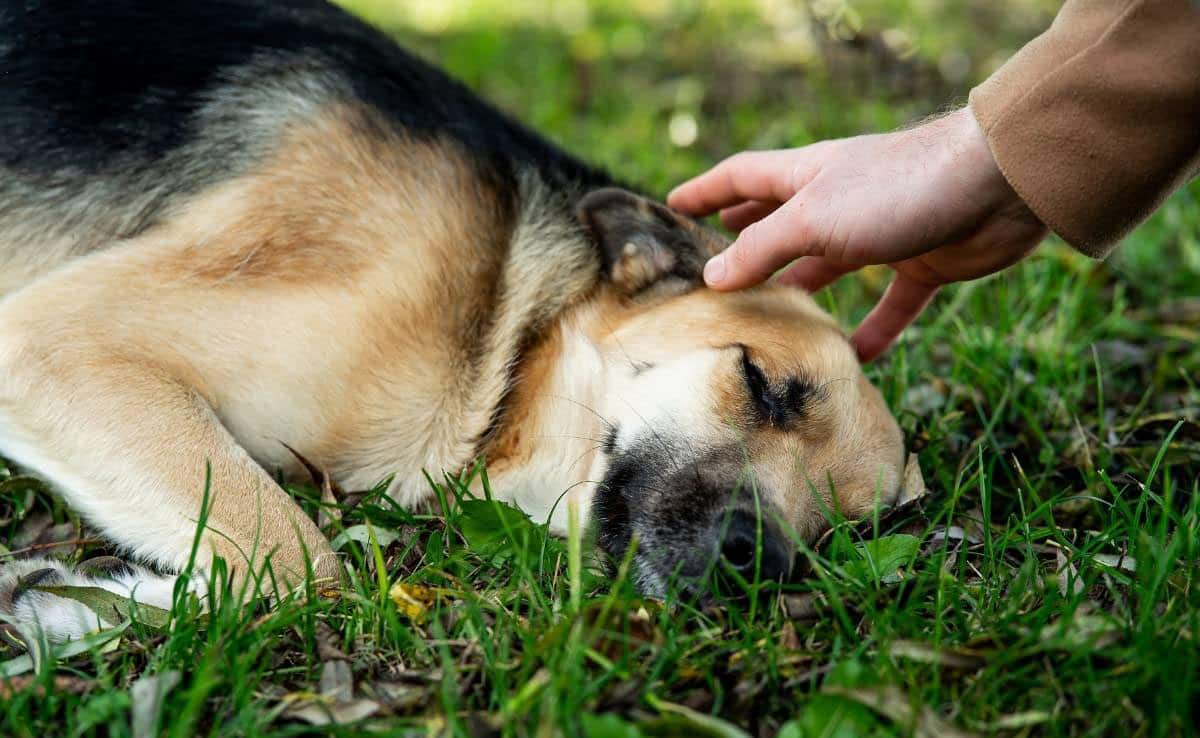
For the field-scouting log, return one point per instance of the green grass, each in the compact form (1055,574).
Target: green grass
(1046,586)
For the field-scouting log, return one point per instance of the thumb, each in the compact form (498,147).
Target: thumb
(762,249)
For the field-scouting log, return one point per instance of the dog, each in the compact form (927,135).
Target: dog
(229,229)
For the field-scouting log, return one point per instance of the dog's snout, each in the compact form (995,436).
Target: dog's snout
(754,549)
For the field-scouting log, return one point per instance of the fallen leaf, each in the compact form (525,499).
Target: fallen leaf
(944,656)
(329,643)
(412,599)
(362,534)
(317,710)
(953,533)
(1082,631)
(337,681)
(399,697)
(789,640)
(1116,561)
(1069,581)
(1186,310)
(805,605)
(894,704)
(1121,353)
(689,722)
(32,528)
(146,700)
(99,641)
(1015,721)
(912,488)
(880,559)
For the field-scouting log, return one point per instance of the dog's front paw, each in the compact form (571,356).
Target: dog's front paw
(37,613)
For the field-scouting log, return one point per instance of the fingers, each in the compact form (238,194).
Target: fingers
(900,305)
(750,175)
(812,273)
(739,216)
(764,248)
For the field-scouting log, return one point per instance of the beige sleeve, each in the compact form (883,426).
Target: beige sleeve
(1097,121)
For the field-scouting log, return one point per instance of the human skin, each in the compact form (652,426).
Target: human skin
(928,201)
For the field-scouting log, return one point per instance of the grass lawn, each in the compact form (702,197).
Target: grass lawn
(1046,585)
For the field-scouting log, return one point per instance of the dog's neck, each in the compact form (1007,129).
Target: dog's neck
(550,448)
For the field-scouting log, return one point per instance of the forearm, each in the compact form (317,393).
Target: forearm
(1097,121)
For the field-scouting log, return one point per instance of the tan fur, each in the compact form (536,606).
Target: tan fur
(847,435)
(330,302)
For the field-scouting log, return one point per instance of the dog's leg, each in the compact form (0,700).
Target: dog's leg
(37,612)
(109,371)
(130,448)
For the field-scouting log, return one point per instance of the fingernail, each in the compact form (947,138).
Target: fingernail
(714,270)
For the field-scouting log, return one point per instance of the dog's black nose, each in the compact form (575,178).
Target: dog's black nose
(752,546)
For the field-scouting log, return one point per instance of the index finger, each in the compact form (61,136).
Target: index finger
(750,175)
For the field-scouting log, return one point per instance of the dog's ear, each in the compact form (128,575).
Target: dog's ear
(643,242)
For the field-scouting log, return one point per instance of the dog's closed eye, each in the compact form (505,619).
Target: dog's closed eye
(774,404)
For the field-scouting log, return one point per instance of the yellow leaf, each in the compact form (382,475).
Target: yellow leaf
(412,599)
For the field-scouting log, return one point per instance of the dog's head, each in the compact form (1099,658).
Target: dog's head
(741,423)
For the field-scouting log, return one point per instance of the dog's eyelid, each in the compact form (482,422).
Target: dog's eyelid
(759,389)
(800,391)
(777,402)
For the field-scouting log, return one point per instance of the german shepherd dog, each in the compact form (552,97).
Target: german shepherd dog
(230,228)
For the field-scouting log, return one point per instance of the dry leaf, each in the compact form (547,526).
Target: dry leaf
(789,640)
(146,700)
(412,599)
(334,703)
(1069,581)
(912,488)
(1084,630)
(329,643)
(331,493)
(32,528)
(1115,561)
(337,681)
(317,710)
(944,656)
(1015,721)
(804,606)
(399,697)
(897,706)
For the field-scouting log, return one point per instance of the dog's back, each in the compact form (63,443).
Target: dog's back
(275,228)
(116,119)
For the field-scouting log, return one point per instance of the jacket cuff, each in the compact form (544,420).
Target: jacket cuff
(1094,123)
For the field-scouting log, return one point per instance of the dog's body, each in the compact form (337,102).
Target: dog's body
(230,228)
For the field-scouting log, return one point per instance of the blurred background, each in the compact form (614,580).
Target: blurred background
(658,89)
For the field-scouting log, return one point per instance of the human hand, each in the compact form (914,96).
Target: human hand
(929,201)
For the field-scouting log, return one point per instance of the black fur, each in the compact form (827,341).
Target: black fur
(687,511)
(86,86)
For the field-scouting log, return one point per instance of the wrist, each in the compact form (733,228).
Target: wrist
(973,163)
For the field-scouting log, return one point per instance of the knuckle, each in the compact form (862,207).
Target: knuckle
(745,252)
